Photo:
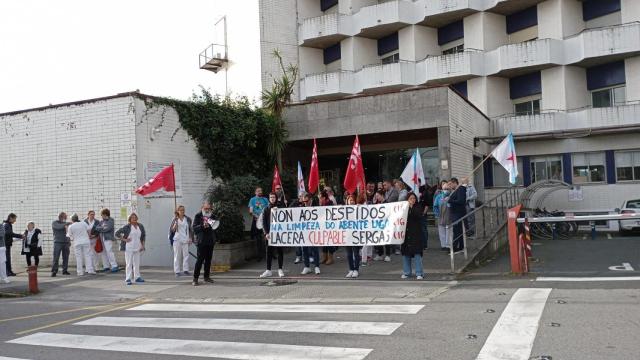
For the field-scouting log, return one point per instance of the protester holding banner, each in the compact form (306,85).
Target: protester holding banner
(366,253)
(326,257)
(266,226)
(310,253)
(353,252)
(411,248)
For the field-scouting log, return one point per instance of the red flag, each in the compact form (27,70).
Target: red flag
(276,179)
(164,179)
(354,178)
(314,173)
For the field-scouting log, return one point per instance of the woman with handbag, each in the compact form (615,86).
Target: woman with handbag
(31,244)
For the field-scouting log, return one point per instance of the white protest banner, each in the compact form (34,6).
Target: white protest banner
(348,225)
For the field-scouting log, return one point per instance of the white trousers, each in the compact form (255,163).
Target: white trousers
(3,263)
(107,256)
(366,252)
(83,258)
(132,259)
(180,253)
(444,235)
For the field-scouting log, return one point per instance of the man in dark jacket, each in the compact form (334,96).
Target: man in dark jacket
(61,244)
(457,209)
(205,239)
(9,235)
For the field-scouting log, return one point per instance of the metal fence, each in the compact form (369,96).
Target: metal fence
(479,226)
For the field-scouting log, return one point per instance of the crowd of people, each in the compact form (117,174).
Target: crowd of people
(450,201)
(94,239)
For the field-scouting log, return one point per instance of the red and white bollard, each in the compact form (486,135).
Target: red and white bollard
(32,271)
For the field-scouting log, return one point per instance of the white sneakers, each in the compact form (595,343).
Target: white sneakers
(377,258)
(5,281)
(269,273)
(419,277)
(317,270)
(387,258)
(305,271)
(353,274)
(404,276)
(349,274)
(297,260)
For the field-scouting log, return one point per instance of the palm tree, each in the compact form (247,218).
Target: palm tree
(274,101)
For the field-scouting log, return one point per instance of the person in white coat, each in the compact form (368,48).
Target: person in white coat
(78,232)
(180,237)
(3,253)
(132,238)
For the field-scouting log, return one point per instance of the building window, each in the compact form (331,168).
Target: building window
(525,86)
(501,177)
(546,168)
(453,50)
(592,9)
(451,32)
(609,97)
(327,4)
(528,107)
(628,165)
(588,168)
(390,58)
(522,19)
(388,44)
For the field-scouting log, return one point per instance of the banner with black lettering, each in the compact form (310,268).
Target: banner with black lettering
(347,225)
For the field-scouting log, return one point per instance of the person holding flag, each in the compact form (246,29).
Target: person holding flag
(505,155)
(413,174)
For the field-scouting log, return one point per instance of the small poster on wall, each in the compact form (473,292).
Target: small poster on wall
(575,193)
(151,168)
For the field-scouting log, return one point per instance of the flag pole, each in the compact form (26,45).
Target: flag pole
(175,188)
(478,166)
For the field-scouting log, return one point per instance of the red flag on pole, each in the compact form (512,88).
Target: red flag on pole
(164,179)
(314,173)
(276,179)
(354,178)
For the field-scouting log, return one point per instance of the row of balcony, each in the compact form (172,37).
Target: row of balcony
(585,118)
(602,43)
(385,18)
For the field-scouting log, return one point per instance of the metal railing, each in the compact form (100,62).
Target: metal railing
(479,226)
(217,52)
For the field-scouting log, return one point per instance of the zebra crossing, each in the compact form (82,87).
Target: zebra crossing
(208,319)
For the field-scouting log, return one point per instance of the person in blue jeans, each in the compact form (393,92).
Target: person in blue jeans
(310,251)
(412,247)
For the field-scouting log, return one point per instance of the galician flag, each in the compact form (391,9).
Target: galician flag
(301,189)
(505,154)
(413,174)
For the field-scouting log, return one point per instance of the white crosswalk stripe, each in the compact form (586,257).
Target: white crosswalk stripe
(326,327)
(230,349)
(218,349)
(280,308)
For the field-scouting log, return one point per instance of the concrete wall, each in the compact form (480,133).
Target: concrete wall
(607,20)
(630,11)
(632,72)
(311,61)
(564,88)
(283,37)
(485,31)
(490,94)
(68,158)
(171,144)
(398,111)
(357,52)
(558,19)
(417,42)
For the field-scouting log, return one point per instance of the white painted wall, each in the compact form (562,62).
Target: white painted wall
(69,158)
(357,52)
(353,6)
(607,20)
(171,144)
(417,42)
(311,61)
(564,88)
(308,9)
(484,31)
(490,94)
(558,19)
(632,73)
(630,11)
(523,35)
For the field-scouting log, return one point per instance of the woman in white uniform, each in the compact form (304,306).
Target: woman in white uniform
(78,232)
(180,237)
(132,238)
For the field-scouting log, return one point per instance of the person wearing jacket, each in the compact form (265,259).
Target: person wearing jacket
(78,232)
(94,237)
(180,237)
(472,196)
(3,258)
(61,244)
(411,248)
(353,252)
(9,235)
(266,228)
(105,229)
(31,246)
(457,204)
(132,237)
(205,240)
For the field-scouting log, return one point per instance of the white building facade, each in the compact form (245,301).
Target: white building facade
(91,155)
(562,75)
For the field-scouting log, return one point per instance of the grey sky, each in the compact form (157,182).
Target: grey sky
(66,50)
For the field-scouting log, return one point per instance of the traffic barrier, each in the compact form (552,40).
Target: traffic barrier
(32,272)
(516,242)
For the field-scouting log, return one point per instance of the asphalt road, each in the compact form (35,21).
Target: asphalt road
(484,315)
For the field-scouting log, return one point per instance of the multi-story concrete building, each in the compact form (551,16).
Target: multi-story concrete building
(93,154)
(562,75)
